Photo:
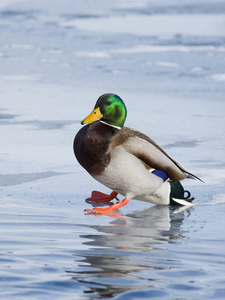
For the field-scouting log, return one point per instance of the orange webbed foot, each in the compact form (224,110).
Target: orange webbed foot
(99,210)
(101,197)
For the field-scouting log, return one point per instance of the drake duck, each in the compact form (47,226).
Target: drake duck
(127,161)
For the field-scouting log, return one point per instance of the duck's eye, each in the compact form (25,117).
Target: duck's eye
(108,103)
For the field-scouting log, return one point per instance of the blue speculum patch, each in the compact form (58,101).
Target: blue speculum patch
(161,174)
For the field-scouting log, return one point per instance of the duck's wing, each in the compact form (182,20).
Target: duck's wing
(150,154)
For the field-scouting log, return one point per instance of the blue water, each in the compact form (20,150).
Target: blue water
(167,61)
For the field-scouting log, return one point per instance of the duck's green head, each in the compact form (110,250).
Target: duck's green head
(109,108)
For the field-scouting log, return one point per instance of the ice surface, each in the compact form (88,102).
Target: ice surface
(158,25)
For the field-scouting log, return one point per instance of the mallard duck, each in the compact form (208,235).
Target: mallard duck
(126,161)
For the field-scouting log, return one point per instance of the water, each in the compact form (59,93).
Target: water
(166,60)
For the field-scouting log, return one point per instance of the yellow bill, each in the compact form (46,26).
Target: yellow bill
(94,115)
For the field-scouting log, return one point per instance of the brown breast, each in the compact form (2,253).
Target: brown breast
(91,146)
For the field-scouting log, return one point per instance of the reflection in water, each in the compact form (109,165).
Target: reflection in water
(124,255)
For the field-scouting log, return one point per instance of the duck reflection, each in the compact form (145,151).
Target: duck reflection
(125,254)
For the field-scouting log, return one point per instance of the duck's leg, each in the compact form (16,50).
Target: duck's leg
(101,197)
(98,210)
